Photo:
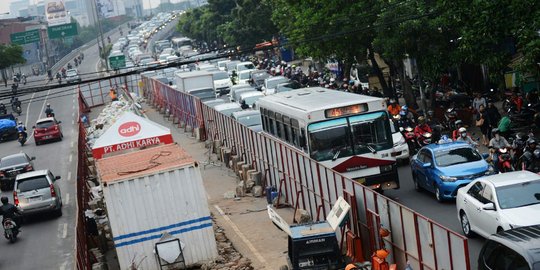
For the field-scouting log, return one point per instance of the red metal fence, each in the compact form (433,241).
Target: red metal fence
(83,256)
(304,183)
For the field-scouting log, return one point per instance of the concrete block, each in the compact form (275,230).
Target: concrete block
(240,189)
(244,169)
(302,216)
(249,185)
(257,191)
(255,176)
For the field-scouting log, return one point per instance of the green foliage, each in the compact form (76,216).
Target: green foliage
(11,54)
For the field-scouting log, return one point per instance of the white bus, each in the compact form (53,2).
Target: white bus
(347,132)
(179,42)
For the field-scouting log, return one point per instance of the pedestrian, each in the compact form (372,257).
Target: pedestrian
(477,101)
(482,123)
(504,126)
(493,117)
(113,96)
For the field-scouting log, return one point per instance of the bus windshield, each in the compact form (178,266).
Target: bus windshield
(353,135)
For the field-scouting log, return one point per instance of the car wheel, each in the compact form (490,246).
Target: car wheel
(466,225)
(438,194)
(58,212)
(417,186)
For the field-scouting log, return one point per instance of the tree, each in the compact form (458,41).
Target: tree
(10,55)
(250,24)
(331,29)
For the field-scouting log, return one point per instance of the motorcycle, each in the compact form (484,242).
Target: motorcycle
(10,230)
(408,134)
(504,163)
(450,116)
(424,140)
(59,80)
(22,138)
(17,109)
(49,114)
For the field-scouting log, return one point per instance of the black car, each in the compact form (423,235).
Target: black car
(512,249)
(11,166)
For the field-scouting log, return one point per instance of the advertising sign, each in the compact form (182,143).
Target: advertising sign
(56,13)
(110,8)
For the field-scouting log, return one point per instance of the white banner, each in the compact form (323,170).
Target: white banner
(56,12)
(110,8)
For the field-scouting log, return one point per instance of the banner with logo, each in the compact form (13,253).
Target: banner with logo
(56,12)
(110,8)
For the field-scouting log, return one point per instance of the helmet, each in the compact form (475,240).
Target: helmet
(48,105)
(462,129)
(458,122)
(531,141)
(403,112)
(332,80)
(495,131)
(20,122)
(396,117)
(4,199)
(392,101)
(421,120)
(404,108)
(430,113)
(351,266)
(536,153)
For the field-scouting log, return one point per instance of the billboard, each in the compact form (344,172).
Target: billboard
(56,13)
(110,8)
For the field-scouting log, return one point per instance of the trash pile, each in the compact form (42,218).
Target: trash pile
(228,257)
(98,228)
(106,118)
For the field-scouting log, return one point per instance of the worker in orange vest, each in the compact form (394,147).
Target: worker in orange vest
(112,94)
(393,108)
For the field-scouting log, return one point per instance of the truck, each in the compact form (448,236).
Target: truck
(8,127)
(153,194)
(198,83)
(187,81)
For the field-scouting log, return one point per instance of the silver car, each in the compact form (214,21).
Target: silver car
(37,192)
(72,75)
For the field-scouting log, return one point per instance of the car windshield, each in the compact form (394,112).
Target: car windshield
(33,183)
(45,124)
(245,67)
(353,135)
(257,76)
(519,195)
(251,100)
(273,83)
(220,76)
(250,120)
(71,73)
(244,75)
(11,161)
(455,156)
(204,94)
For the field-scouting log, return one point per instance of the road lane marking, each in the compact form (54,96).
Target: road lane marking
(241,235)
(73,113)
(72,144)
(28,109)
(69,176)
(40,112)
(73,121)
(63,266)
(70,158)
(66,201)
(64,230)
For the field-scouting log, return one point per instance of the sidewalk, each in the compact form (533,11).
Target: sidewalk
(244,220)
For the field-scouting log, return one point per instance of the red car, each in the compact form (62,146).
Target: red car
(47,129)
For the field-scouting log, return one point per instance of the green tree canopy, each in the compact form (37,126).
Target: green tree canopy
(11,54)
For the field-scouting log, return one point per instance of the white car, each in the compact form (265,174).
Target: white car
(499,202)
(244,76)
(270,84)
(401,148)
(250,97)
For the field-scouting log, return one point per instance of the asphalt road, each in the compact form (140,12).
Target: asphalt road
(425,203)
(48,242)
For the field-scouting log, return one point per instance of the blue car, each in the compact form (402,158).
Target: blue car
(444,168)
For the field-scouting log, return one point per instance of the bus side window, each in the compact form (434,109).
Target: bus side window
(302,139)
(294,137)
(286,129)
(271,122)
(279,125)
(264,119)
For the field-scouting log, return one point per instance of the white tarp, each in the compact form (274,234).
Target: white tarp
(56,13)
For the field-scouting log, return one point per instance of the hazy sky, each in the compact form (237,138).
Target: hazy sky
(4,4)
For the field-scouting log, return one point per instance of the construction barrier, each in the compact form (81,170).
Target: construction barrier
(303,183)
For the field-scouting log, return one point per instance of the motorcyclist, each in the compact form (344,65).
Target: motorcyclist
(531,161)
(8,210)
(15,102)
(21,128)
(406,115)
(422,127)
(48,110)
(393,108)
(3,109)
(455,133)
(243,105)
(464,137)
(496,143)
(444,139)
(14,88)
